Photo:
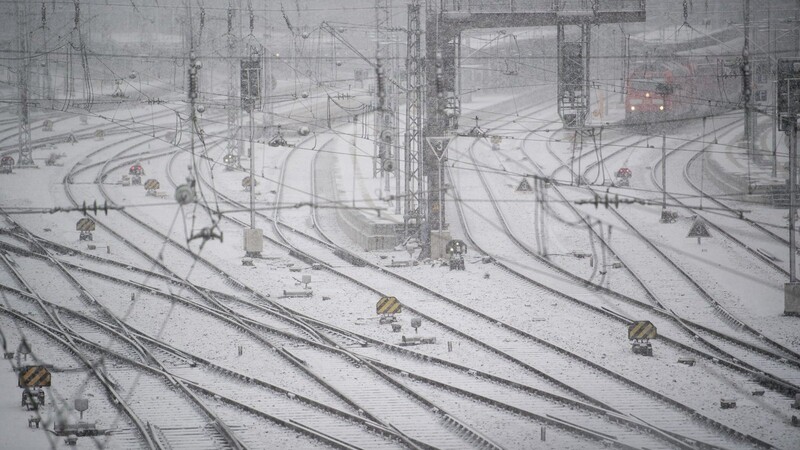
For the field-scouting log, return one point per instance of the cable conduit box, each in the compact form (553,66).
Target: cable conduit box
(791,299)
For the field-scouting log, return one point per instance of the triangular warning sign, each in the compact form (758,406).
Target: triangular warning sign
(524,186)
(438,145)
(699,229)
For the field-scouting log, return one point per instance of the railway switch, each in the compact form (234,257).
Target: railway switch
(85,225)
(640,333)
(727,403)
(417,340)
(296,294)
(642,348)
(32,399)
(387,319)
(688,361)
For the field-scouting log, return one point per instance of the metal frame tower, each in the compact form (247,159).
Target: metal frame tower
(443,29)
(46,83)
(386,104)
(441,105)
(573,75)
(414,201)
(23,42)
(232,149)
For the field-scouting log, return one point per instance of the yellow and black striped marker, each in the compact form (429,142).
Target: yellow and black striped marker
(152,184)
(388,305)
(642,329)
(33,376)
(85,224)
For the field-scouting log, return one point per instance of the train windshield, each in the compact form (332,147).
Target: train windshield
(642,84)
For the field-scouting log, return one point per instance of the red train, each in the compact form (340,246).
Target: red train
(654,90)
(666,90)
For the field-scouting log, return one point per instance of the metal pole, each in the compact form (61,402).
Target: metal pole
(746,83)
(664,169)
(703,163)
(398,199)
(775,134)
(385,173)
(441,185)
(252,173)
(792,198)
(355,131)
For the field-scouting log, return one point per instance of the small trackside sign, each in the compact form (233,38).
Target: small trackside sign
(388,305)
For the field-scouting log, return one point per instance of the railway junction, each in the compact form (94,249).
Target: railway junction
(383,224)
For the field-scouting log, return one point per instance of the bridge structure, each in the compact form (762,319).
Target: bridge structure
(445,20)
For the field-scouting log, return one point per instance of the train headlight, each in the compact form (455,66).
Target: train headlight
(647,95)
(661,108)
(633,108)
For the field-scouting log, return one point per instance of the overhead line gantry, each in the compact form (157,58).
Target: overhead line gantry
(445,21)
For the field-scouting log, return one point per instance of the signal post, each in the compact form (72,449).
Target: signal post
(788,109)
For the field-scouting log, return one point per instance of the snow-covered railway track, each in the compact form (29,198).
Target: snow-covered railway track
(226,389)
(737,215)
(87,132)
(621,392)
(407,372)
(775,367)
(188,411)
(741,349)
(421,364)
(726,229)
(453,434)
(736,346)
(774,360)
(541,406)
(276,404)
(327,244)
(578,286)
(69,363)
(157,263)
(442,422)
(779,360)
(448,312)
(556,412)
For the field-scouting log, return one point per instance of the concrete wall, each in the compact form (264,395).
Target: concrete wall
(360,229)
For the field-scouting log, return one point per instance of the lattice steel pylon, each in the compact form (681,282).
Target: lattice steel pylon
(46,85)
(573,76)
(23,42)
(442,39)
(231,146)
(386,102)
(414,200)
